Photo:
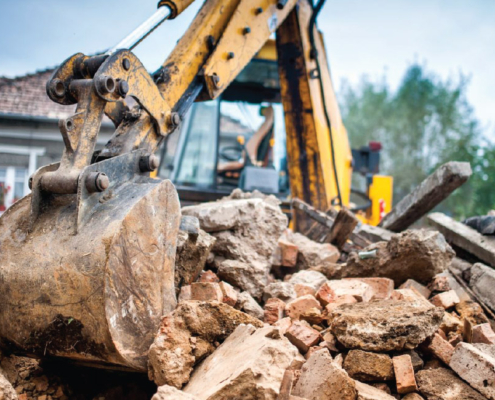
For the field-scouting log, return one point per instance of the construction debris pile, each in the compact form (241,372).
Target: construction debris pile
(266,313)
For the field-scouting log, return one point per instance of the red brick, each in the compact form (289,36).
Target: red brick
(483,333)
(274,310)
(302,336)
(288,252)
(283,325)
(412,284)
(446,299)
(346,299)
(411,295)
(325,294)
(360,290)
(208,276)
(382,287)
(301,305)
(229,294)
(455,339)
(302,290)
(206,291)
(185,293)
(404,374)
(441,348)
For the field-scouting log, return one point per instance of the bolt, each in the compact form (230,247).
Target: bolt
(173,119)
(210,42)
(97,182)
(30,183)
(258,10)
(105,84)
(56,88)
(230,55)
(281,4)
(149,163)
(126,64)
(216,80)
(123,88)
(246,30)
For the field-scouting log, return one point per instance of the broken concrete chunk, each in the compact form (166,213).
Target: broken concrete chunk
(384,325)
(412,284)
(302,336)
(310,278)
(338,301)
(302,305)
(382,287)
(367,392)
(249,305)
(239,366)
(313,254)
(7,392)
(166,392)
(192,253)
(321,379)
(412,296)
(187,335)
(483,333)
(441,383)
(451,323)
(250,277)
(412,396)
(482,283)
(369,367)
(446,299)
(440,283)
(359,290)
(476,365)
(404,374)
(273,311)
(280,290)
(208,276)
(413,254)
(471,311)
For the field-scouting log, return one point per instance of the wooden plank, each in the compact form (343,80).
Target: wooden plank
(433,190)
(321,232)
(344,225)
(464,237)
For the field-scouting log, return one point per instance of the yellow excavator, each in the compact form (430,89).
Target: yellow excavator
(87,259)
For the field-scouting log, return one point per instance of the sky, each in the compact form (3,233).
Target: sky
(362,37)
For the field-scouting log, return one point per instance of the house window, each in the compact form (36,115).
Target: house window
(12,186)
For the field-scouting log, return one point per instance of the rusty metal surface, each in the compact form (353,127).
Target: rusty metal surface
(96,296)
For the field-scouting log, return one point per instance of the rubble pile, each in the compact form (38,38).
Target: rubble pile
(266,313)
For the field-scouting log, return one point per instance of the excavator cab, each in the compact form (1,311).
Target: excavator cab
(235,141)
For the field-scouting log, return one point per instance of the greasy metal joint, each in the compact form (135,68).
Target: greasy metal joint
(123,88)
(149,163)
(97,182)
(216,80)
(56,88)
(126,64)
(173,119)
(105,84)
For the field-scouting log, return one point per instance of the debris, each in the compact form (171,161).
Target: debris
(312,278)
(441,348)
(360,290)
(166,392)
(321,379)
(464,237)
(296,309)
(483,333)
(414,254)
(441,383)
(338,301)
(471,311)
(382,287)
(342,228)
(207,291)
(187,335)
(404,374)
(251,277)
(482,282)
(397,325)
(7,392)
(285,254)
(368,392)
(280,290)
(412,396)
(412,284)
(313,254)
(369,367)
(240,364)
(302,336)
(274,311)
(249,305)
(412,296)
(303,289)
(476,365)
(435,188)
(446,299)
(208,276)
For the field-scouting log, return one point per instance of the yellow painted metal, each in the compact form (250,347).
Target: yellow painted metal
(268,51)
(177,6)
(380,194)
(184,64)
(249,28)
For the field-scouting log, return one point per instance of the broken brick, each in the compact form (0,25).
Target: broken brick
(185,293)
(441,348)
(446,299)
(382,287)
(440,283)
(273,311)
(206,291)
(283,325)
(360,290)
(412,296)
(325,294)
(208,276)
(483,333)
(412,284)
(303,289)
(288,253)
(404,374)
(302,305)
(302,336)
(229,294)
(340,300)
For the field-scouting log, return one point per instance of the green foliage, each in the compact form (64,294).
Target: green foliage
(426,122)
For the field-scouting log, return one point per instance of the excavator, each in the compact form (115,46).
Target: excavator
(87,258)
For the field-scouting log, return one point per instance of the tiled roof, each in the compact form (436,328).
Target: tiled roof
(26,95)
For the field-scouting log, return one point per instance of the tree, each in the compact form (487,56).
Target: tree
(426,122)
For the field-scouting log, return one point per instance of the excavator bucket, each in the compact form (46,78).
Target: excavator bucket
(91,276)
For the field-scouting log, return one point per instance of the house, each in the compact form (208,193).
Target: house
(29,133)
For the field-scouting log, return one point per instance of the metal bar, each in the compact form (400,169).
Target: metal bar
(143,30)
